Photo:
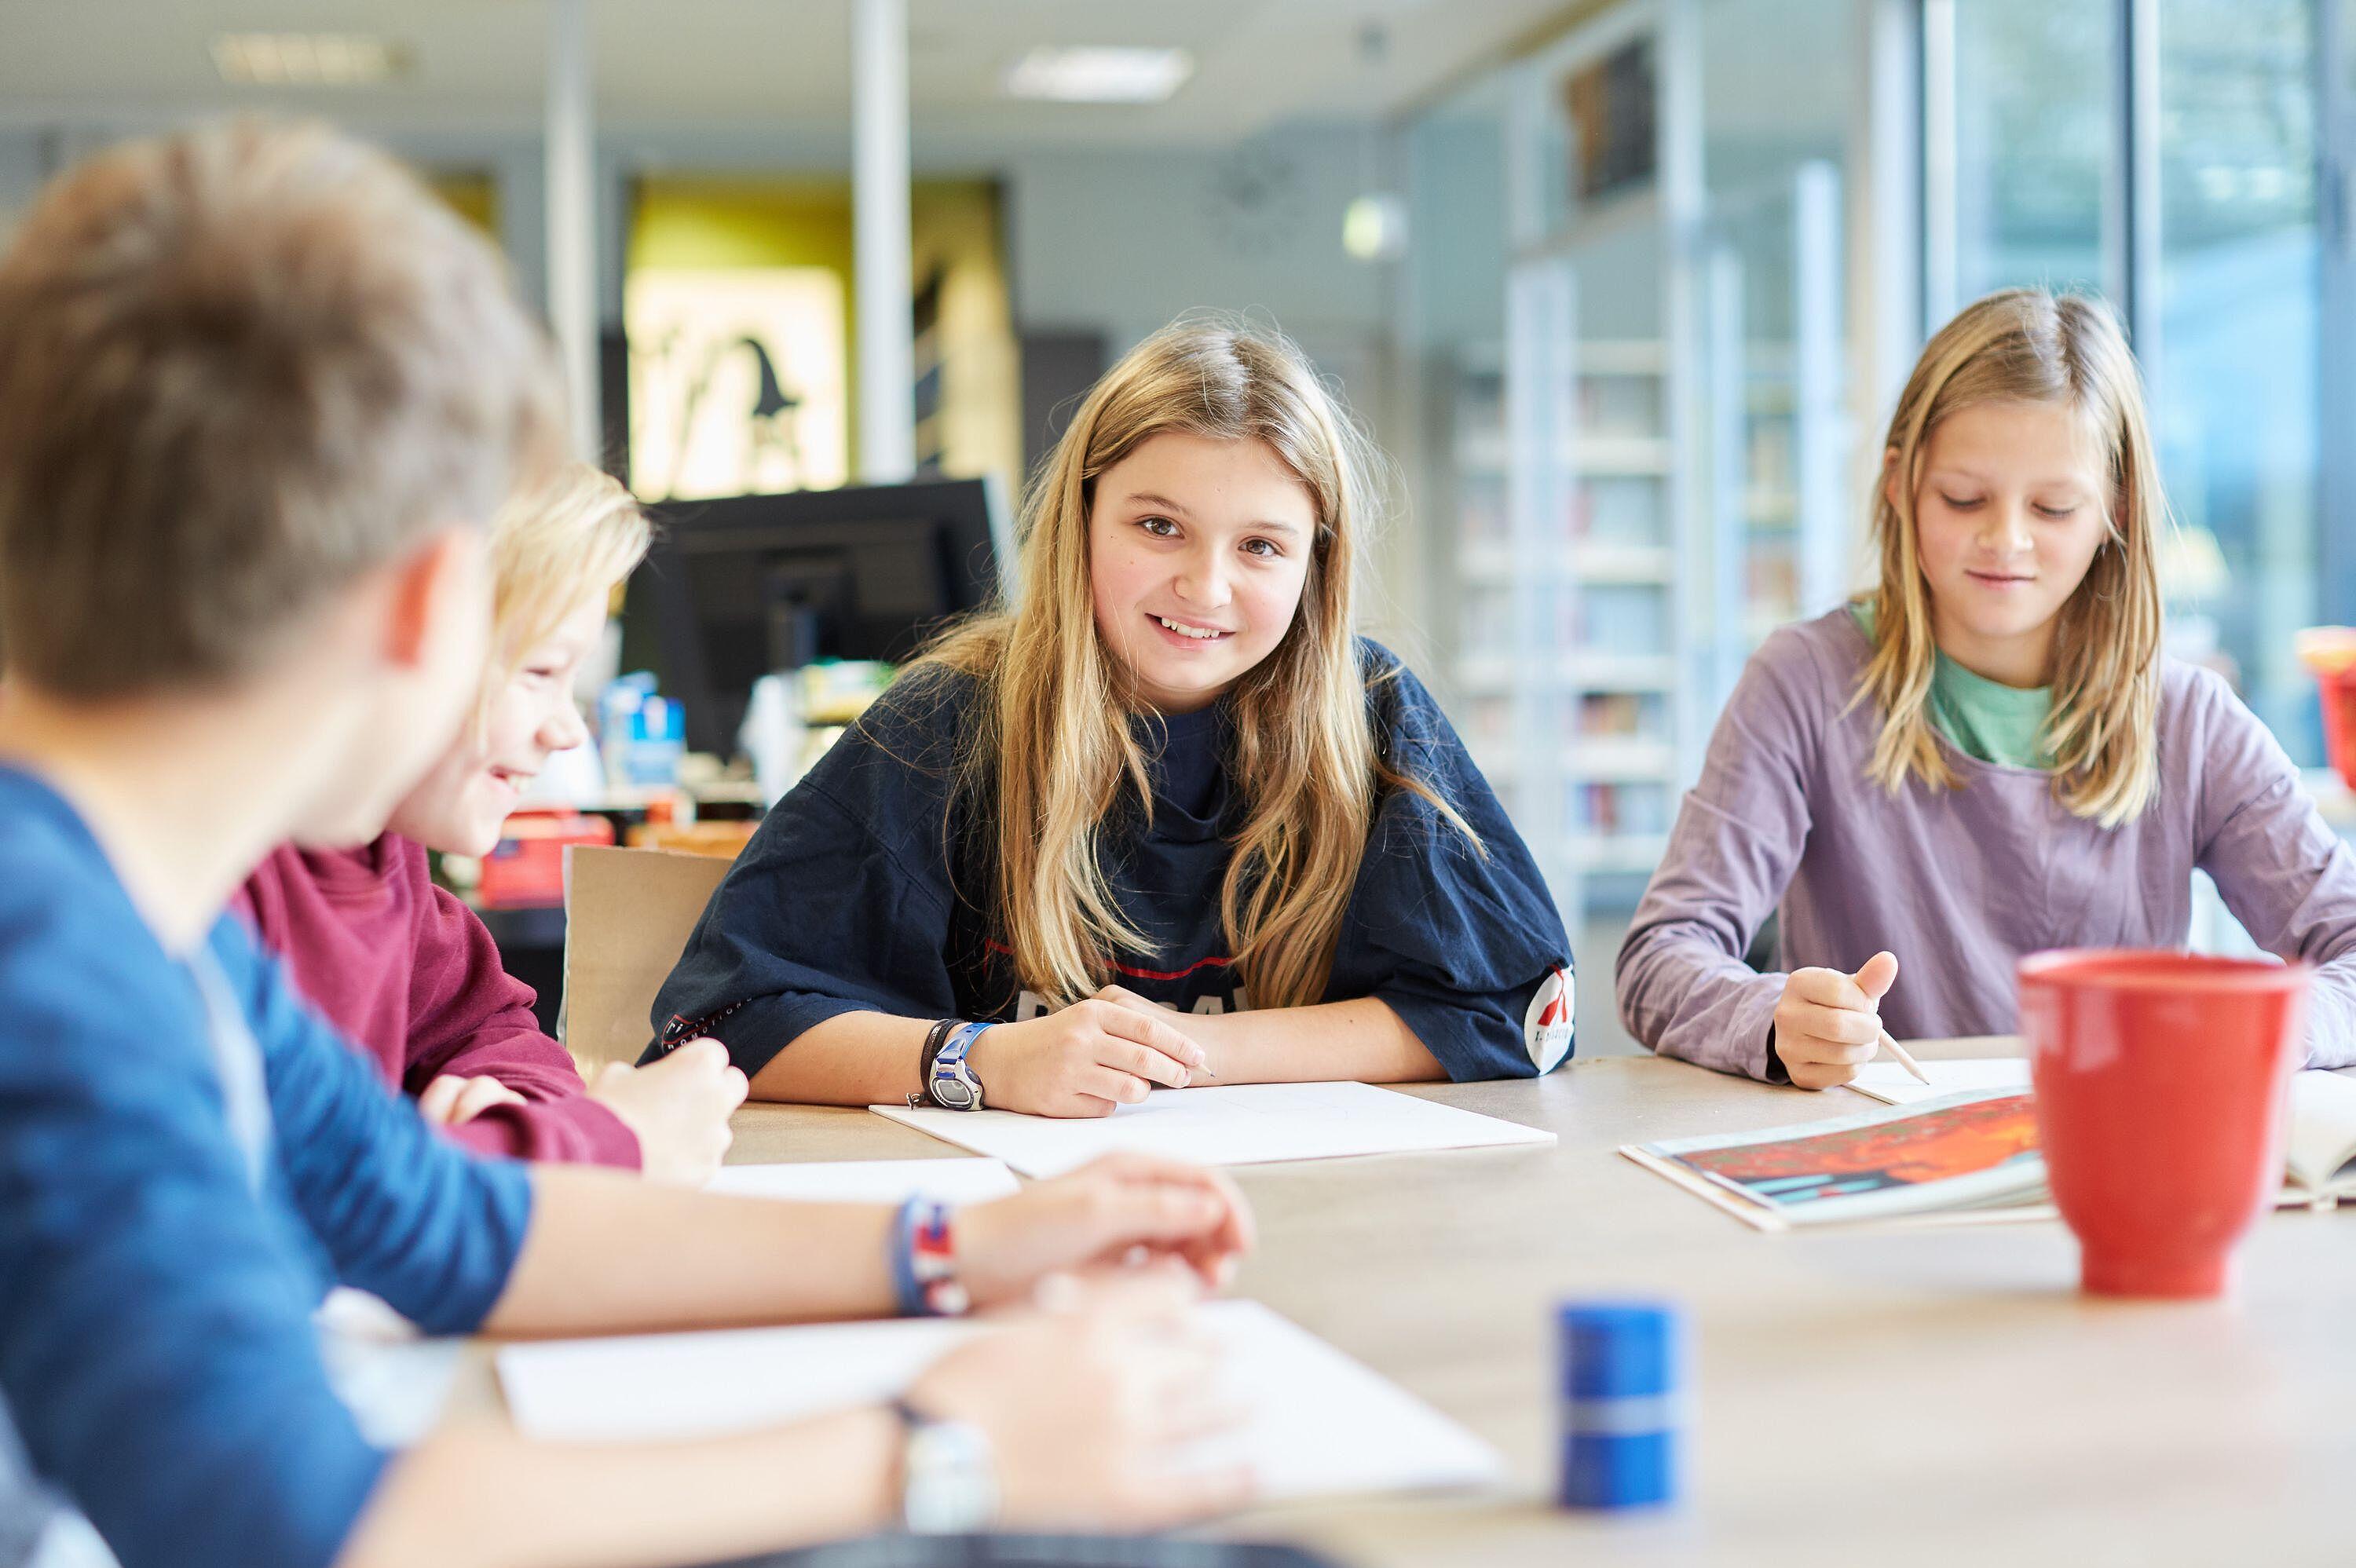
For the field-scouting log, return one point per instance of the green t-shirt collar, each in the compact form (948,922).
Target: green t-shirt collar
(1981,718)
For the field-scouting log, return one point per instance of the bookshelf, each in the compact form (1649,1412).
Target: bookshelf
(1635,450)
(1576,558)
(1778,431)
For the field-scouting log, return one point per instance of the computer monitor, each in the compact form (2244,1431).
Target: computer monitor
(752,585)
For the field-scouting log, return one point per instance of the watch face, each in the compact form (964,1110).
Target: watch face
(952,1481)
(956,1093)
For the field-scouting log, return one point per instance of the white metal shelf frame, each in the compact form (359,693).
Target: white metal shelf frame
(1796,378)
(1554,343)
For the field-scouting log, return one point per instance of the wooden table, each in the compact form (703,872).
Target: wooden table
(1908,1396)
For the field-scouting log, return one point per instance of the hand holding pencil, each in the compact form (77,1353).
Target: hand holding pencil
(1828,1024)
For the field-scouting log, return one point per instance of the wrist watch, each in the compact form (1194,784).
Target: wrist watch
(949,1082)
(949,1476)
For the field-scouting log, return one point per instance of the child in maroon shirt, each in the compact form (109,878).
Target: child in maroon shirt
(412,977)
(408,973)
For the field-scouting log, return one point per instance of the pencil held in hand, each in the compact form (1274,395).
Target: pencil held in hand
(1828,1024)
(1905,1060)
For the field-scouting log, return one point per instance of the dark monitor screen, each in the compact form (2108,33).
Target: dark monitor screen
(755,584)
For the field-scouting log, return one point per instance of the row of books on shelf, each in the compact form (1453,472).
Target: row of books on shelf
(1639,804)
(1614,508)
(1623,606)
(1590,718)
(1615,392)
(1609,508)
(1638,809)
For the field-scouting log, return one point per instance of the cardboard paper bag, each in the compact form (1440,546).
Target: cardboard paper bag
(628,915)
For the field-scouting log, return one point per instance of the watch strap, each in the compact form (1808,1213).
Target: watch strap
(945,1058)
(934,1038)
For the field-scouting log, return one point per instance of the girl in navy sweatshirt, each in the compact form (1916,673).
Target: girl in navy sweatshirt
(1164,819)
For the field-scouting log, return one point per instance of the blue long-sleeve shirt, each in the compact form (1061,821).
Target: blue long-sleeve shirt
(868,888)
(188,1157)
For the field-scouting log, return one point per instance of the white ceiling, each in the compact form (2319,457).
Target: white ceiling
(765,65)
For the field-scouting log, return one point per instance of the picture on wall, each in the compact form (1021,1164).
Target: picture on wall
(739,381)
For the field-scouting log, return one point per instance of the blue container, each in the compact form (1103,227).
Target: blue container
(657,742)
(1623,1368)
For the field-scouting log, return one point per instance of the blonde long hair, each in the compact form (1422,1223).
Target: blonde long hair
(2030,345)
(1050,747)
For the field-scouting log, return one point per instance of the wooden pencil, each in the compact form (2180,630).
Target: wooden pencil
(1905,1060)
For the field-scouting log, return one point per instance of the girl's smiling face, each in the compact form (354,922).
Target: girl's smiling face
(2013,503)
(461,806)
(1198,553)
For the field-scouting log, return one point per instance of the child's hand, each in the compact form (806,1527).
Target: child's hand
(679,1107)
(451,1099)
(1123,996)
(1829,1023)
(1082,1062)
(1088,1408)
(1122,1209)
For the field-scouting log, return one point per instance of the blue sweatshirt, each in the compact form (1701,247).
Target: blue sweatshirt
(869,889)
(188,1157)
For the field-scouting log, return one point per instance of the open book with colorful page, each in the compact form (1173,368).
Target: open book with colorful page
(2320,1155)
(1973,1153)
(1962,1150)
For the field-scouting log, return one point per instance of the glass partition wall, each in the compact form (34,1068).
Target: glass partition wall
(2166,154)
(1631,460)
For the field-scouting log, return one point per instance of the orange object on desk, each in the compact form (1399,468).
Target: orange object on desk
(724,839)
(526,869)
(2330,652)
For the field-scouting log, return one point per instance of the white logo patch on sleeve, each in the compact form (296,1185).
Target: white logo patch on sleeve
(1547,1027)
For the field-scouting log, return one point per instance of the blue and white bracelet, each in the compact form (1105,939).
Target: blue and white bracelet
(924,1262)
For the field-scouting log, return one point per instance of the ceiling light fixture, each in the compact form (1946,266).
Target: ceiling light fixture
(308,60)
(1099,74)
(1374,227)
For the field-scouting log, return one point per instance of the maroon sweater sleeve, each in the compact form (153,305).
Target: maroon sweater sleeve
(469,1017)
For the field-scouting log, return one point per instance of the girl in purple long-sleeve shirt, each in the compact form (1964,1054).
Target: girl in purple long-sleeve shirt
(1987,755)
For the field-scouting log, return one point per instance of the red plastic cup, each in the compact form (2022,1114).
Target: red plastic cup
(2337,689)
(2161,1084)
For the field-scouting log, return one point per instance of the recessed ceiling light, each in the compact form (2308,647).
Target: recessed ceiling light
(1099,74)
(308,60)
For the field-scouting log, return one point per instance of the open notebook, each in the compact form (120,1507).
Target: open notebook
(1971,1154)
(1962,1150)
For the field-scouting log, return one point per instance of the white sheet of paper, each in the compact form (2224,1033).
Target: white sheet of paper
(1248,1124)
(1319,1424)
(1893,1085)
(392,1381)
(870,1180)
(2322,1130)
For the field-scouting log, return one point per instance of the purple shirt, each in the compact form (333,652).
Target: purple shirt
(1960,883)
